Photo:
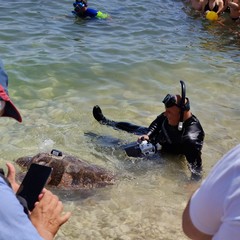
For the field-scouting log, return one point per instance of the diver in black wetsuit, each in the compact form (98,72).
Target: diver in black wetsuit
(177,130)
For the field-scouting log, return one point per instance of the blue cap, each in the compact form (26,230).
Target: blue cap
(9,110)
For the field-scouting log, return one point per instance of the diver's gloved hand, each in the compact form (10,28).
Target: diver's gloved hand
(196,173)
(143,138)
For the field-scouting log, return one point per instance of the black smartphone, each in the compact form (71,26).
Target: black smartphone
(33,183)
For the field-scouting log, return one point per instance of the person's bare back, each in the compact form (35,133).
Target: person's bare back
(234,9)
(197,4)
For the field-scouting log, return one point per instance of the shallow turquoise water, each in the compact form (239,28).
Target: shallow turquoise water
(59,68)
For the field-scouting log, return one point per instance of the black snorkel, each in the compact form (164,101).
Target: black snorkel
(182,105)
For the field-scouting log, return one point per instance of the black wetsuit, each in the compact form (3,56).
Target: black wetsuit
(188,142)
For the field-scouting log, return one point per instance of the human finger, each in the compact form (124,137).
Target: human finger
(11,176)
(63,219)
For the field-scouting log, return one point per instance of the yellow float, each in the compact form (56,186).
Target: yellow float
(212,16)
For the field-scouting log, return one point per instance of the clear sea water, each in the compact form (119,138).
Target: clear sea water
(60,67)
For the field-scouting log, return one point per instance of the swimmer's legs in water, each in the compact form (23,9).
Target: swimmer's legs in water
(125,126)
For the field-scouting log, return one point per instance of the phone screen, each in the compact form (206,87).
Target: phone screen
(33,183)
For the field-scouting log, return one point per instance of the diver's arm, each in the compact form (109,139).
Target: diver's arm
(155,126)
(193,153)
(151,131)
(192,141)
(194,159)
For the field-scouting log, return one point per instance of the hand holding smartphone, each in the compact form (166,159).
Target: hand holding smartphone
(33,183)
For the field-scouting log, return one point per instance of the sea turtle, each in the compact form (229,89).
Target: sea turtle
(70,172)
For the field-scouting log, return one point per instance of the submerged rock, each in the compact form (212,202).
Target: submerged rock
(70,172)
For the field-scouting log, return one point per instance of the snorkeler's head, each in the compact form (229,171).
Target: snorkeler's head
(80,3)
(176,100)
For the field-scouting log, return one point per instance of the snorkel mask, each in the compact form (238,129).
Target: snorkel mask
(171,100)
(78,5)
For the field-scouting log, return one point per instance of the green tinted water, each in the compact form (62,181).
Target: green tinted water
(60,68)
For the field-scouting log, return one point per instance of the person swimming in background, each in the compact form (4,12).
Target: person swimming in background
(81,10)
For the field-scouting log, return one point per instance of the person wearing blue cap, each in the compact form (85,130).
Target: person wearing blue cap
(15,221)
(175,131)
(82,10)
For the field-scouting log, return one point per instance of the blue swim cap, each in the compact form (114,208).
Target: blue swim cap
(80,4)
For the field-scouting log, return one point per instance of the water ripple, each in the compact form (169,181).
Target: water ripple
(60,67)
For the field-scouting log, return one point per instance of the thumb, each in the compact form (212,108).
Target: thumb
(11,176)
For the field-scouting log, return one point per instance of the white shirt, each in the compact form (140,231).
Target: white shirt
(215,206)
